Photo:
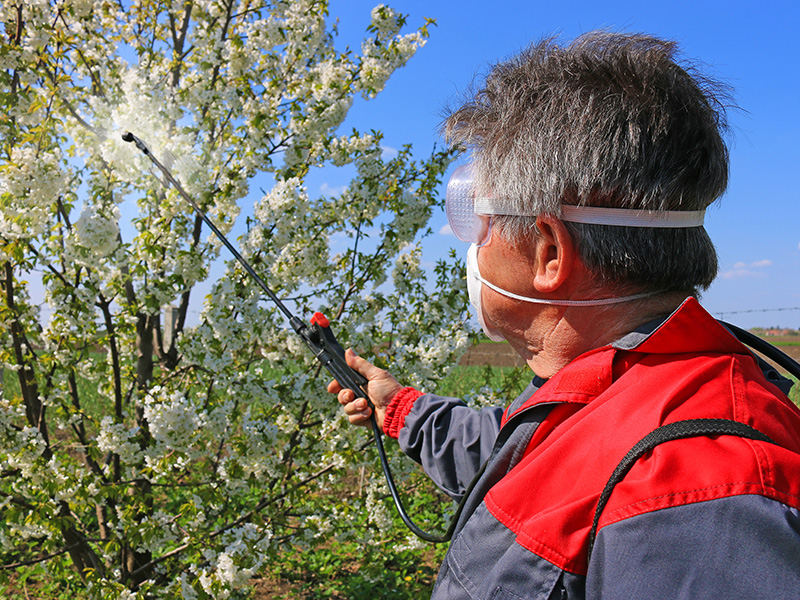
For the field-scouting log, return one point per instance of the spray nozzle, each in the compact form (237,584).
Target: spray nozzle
(129,137)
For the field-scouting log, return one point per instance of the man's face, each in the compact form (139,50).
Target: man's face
(512,267)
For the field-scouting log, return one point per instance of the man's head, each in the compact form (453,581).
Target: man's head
(610,120)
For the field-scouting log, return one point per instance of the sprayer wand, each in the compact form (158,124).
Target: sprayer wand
(129,137)
(320,340)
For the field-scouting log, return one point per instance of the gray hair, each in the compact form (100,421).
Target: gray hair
(608,120)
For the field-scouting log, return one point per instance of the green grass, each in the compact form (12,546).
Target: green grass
(93,402)
(463,381)
(794,394)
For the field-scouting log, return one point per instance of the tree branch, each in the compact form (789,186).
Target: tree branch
(34,561)
(264,503)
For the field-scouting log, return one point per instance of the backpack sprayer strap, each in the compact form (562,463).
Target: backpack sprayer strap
(762,346)
(666,433)
(694,427)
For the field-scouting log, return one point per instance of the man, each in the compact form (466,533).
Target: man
(592,165)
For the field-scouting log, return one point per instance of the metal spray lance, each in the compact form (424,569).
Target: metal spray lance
(319,338)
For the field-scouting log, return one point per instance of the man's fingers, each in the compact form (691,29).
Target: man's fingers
(382,386)
(345,396)
(357,407)
(359,419)
(358,411)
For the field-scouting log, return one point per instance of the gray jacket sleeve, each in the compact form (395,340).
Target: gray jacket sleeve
(449,439)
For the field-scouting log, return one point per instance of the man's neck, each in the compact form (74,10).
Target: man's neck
(575,331)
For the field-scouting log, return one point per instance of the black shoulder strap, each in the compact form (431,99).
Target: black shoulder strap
(666,433)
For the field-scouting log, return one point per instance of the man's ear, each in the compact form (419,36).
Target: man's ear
(555,254)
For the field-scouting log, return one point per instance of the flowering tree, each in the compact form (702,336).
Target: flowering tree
(141,457)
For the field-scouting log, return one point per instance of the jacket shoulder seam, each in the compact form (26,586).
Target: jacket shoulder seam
(677,499)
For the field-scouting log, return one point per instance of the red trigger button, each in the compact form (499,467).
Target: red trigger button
(321,320)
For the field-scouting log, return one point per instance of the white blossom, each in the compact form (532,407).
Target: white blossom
(172,419)
(118,439)
(30,184)
(97,231)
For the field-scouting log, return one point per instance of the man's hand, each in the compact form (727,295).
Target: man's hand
(381,388)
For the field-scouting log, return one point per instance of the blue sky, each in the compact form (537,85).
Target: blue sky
(749,45)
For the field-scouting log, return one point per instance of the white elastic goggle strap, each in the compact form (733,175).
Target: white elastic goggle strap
(626,217)
(594,302)
(596,215)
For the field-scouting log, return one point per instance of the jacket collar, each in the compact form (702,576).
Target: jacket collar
(689,329)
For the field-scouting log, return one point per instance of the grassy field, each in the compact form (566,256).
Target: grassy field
(789,344)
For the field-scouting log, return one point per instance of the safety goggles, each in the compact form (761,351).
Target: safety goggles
(459,206)
(470,217)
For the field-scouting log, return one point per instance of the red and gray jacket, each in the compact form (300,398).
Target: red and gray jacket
(704,517)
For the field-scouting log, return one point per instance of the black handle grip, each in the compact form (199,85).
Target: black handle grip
(330,354)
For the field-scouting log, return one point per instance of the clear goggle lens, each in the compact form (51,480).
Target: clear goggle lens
(459,207)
